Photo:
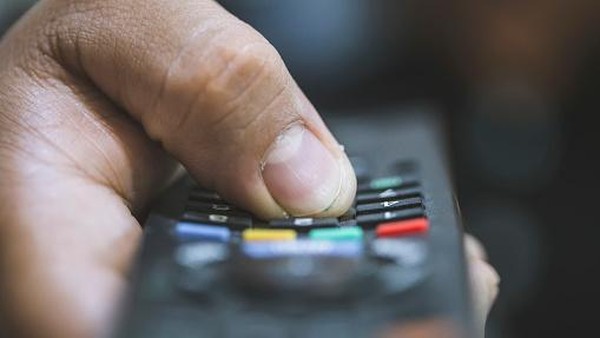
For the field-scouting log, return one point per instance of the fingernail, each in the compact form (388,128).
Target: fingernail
(302,175)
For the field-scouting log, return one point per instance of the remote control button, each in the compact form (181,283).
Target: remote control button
(211,208)
(406,252)
(389,183)
(198,254)
(388,194)
(185,230)
(269,235)
(202,195)
(389,205)
(302,247)
(337,234)
(372,219)
(303,224)
(402,228)
(233,222)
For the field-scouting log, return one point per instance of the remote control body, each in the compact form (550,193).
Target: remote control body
(392,266)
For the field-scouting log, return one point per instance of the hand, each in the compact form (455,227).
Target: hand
(484,281)
(97,99)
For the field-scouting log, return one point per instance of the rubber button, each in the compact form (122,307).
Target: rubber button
(185,230)
(386,195)
(268,235)
(337,234)
(232,222)
(402,228)
(386,182)
(303,247)
(389,183)
(389,205)
(369,220)
(303,224)
(215,208)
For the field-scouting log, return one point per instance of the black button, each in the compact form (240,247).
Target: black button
(389,205)
(386,195)
(232,222)
(373,219)
(219,208)
(304,223)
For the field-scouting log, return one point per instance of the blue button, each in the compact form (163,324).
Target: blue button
(302,248)
(185,230)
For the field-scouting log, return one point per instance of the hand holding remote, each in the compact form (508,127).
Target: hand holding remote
(96,98)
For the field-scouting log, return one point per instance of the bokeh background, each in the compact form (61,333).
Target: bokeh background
(519,85)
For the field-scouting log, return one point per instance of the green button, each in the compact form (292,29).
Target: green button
(337,234)
(386,182)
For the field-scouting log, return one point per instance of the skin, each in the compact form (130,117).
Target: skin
(99,103)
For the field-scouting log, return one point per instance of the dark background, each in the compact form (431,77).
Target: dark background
(518,82)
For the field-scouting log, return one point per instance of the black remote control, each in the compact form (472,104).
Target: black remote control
(393,265)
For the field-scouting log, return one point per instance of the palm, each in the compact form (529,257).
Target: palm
(88,167)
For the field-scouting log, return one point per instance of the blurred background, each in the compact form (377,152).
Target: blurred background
(518,82)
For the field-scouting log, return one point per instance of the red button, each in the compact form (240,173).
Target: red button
(401,228)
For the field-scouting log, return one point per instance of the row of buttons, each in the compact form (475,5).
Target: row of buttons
(398,198)
(391,207)
(379,201)
(189,230)
(404,251)
(367,215)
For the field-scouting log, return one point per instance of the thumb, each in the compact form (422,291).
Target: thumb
(223,102)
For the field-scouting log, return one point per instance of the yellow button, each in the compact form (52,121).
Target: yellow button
(268,235)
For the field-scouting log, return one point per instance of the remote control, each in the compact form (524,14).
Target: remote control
(391,266)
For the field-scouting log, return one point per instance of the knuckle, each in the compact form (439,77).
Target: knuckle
(251,77)
(224,80)
(247,66)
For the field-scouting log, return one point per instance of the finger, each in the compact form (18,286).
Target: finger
(474,248)
(217,96)
(484,280)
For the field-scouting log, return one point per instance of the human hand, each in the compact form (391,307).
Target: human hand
(99,101)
